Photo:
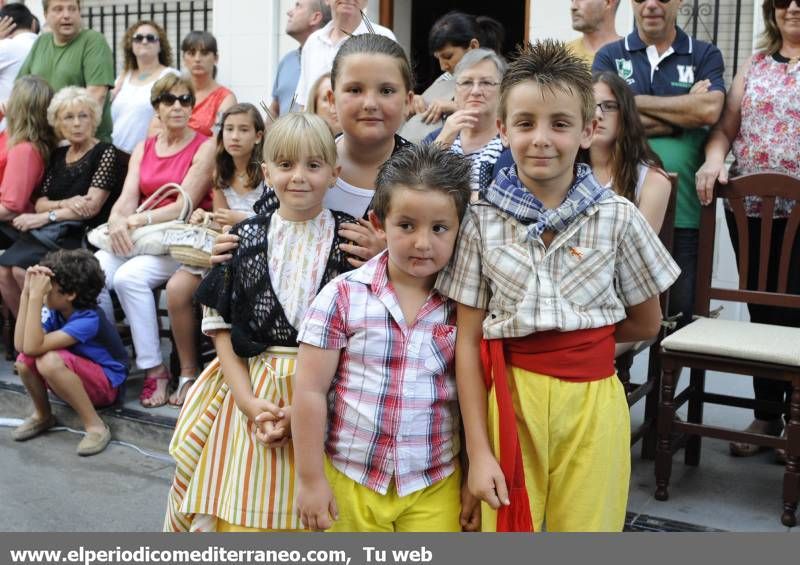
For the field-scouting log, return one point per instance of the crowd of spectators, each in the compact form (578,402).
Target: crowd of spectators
(80,146)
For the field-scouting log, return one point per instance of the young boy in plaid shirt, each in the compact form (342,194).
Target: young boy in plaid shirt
(375,406)
(549,271)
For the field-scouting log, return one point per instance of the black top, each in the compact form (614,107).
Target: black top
(269,202)
(100,167)
(241,290)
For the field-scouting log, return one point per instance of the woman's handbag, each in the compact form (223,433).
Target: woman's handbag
(191,244)
(148,240)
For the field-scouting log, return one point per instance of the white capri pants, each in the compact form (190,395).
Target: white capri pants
(134,280)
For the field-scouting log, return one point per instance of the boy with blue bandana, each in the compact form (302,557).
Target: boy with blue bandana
(550,270)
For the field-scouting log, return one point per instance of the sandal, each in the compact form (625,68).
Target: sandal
(150,386)
(744,449)
(178,396)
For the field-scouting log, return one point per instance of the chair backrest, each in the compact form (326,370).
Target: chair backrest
(767,186)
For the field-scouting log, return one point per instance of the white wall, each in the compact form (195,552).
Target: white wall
(251,40)
(551,19)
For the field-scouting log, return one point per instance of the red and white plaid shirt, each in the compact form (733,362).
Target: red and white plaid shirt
(392,405)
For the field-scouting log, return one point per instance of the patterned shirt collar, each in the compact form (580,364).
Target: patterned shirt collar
(509,195)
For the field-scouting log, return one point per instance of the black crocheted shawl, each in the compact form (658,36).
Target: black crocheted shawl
(241,290)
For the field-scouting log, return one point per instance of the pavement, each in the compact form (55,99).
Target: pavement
(45,486)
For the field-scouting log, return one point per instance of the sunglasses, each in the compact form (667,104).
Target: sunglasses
(782,4)
(142,37)
(185,100)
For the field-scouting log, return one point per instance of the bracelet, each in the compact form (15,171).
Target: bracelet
(148,217)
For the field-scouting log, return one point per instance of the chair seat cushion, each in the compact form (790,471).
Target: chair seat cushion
(739,340)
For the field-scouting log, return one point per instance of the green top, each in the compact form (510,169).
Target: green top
(84,61)
(684,154)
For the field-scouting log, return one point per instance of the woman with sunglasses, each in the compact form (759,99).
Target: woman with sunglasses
(148,57)
(759,125)
(176,154)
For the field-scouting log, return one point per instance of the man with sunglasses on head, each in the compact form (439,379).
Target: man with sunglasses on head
(70,56)
(680,91)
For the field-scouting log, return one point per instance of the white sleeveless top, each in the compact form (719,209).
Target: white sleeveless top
(131,112)
(643,169)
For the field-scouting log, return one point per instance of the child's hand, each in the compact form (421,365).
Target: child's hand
(39,284)
(367,241)
(316,506)
(226,217)
(470,516)
(198,216)
(223,248)
(273,429)
(486,481)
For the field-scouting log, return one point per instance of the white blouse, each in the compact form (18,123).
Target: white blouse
(297,254)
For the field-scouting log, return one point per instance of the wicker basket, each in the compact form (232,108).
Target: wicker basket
(191,244)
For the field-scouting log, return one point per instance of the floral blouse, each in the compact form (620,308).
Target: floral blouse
(770,125)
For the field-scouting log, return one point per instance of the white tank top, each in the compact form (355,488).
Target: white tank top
(131,112)
(642,170)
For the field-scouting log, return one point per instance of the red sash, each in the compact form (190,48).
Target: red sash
(579,356)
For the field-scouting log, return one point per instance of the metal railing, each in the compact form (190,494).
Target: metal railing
(723,23)
(176,17)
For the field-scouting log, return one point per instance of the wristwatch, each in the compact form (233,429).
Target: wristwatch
(51,216)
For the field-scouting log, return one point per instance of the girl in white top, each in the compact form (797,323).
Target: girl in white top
(148,57)
(620,156)
(372,90)
(238,182)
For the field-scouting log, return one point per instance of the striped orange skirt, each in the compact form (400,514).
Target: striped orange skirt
(222,472)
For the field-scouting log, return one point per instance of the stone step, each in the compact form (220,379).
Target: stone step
(148,428)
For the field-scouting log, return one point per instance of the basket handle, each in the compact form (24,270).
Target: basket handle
(162,194)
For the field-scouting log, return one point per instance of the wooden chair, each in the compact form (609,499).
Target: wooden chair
(737,347)
(649,389)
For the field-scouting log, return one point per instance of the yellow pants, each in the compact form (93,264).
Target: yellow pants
(433,509)
(227,527)
(575,443)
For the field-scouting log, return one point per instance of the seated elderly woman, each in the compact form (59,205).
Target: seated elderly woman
(472,129)
(80,185)
(176,154)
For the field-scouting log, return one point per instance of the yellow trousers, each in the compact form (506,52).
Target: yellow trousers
(433,509)
(575,443)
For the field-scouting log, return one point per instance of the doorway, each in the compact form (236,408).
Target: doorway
(512,14)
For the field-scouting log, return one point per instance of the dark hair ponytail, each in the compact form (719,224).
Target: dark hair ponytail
(459,29)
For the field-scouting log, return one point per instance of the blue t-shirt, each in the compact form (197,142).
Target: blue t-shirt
(97,339)
(670,74)
(286,80)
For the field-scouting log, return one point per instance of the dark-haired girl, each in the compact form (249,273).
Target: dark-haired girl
(620,156)
(238,184)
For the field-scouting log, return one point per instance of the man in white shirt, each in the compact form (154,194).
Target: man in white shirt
(322,45)
(14,48)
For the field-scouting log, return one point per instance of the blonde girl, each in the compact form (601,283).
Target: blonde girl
(232,447)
